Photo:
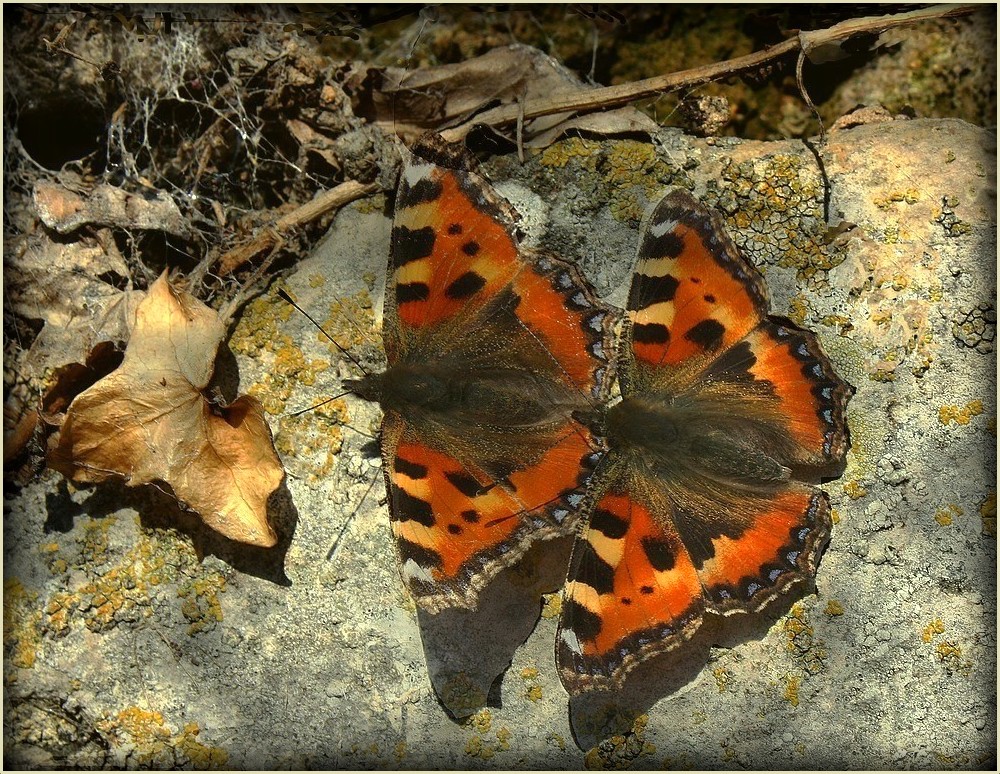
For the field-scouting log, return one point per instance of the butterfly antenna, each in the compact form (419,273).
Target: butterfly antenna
(320,404)
(319,327)
(340,534)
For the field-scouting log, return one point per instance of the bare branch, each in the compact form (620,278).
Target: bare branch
(587,100)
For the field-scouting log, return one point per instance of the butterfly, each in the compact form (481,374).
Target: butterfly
(490,349)
(702,504)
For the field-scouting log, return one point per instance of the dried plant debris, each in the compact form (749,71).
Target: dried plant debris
(74,288)
(150,420)
(65,211)
(412,102)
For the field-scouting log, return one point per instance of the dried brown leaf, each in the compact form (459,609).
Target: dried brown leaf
(65,211)
(150,421)
(411,102)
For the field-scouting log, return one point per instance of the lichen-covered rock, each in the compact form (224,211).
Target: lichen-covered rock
(886,249)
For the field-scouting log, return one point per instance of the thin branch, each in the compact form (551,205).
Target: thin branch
(270,236)
(588,100)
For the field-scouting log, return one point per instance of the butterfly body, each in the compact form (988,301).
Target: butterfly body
(702,504)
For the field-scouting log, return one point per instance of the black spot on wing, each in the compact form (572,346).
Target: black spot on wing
(467,285)
(659,553)
(410,244)
(464,483)
(734,364)
(455,529)
(471,247)
(668,245)
(424,190)
(455,228)
(707,334)
(409,469)
(406,507)
(592,570)
(608,524)
(470,516)
(412,291)
(578,619)
(647,290)
(650,333)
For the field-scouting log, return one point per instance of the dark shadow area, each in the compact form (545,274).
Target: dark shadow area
(467,650)
(596,715)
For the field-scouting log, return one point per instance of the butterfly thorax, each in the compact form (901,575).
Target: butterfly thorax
(498,397)
(685,437)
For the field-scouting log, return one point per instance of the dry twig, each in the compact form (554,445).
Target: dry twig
(588,100)
(272,236)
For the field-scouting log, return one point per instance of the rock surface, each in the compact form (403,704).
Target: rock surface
(133,637)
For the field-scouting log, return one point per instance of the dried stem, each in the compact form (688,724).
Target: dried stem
(589,100)
(271,235)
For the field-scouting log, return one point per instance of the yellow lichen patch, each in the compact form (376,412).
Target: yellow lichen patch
(632,173)
(21,636)
(56,564)
(960,415)
(399,751)
(948,653)
(314,438)
(482,721)
(476,748)
(834,608)
(835,516)
(93,539)
(553,605)
(534,693)
(316,280)
(556,739)
(910,196)
(201,602)
(991,426)
(201,756)
(722,677)
(854,490)
(151,744)
(945,516)
(529,673)
(792,684)
(460,693)
(106,597)
(503,738)
(934,627)
(988,513)
(559,154)
(350,322)
(798,310)
(800,635)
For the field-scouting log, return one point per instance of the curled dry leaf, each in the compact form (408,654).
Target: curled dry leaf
(59,283)
(149,421)
(411,102)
